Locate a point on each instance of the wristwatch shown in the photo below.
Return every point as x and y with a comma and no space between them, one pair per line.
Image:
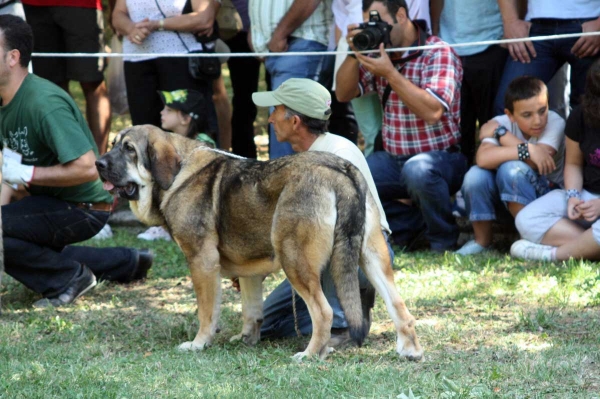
499,132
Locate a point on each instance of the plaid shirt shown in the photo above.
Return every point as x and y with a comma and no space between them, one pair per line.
439,72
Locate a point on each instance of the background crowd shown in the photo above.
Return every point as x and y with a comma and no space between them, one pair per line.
478,130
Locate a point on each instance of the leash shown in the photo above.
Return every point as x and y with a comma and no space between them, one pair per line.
294,311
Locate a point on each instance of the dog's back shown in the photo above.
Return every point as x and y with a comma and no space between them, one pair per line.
310,206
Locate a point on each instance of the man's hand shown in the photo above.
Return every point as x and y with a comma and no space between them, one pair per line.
487,129
380,66
573,211
14,172
519,51
278,43
588,46
590,210
540,157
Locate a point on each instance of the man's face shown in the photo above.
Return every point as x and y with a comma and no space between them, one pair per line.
531,115
4,69
283,127
384,14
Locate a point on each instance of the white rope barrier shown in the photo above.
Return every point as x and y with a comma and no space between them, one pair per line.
320,53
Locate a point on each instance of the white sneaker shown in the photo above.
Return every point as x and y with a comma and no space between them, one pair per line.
529,250
103,234
155,233
471,248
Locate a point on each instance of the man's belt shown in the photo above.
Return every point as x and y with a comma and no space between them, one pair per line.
95,206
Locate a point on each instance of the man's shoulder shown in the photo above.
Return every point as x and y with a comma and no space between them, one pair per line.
443,49
45,93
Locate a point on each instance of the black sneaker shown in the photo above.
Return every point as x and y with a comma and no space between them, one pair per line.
82,283
144,263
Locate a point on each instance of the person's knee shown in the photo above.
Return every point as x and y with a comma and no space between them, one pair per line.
512,174
419,173
477,180
93,88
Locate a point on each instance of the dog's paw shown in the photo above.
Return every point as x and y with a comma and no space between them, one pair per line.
191,346
299,357
410,352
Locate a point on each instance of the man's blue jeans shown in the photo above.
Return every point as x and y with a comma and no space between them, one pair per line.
551,55
283,68
278,320
486,192
37,231
429,180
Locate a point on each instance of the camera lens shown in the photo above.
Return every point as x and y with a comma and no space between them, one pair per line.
368,39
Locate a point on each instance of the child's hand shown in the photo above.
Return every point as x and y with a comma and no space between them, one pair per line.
573,211
590,210
542,159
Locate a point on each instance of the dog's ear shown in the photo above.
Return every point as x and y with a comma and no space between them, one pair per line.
165,163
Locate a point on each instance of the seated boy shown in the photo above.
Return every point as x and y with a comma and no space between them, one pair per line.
520,158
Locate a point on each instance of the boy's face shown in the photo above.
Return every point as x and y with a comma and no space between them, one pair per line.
531,115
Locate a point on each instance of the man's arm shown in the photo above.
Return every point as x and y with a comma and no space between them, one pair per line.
588,46
346,81
78,171
299,12
200,20
515,27
423,104
435,11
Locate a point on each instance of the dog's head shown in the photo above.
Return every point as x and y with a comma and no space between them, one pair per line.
141,157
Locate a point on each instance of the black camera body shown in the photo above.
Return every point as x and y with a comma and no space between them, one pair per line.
373,33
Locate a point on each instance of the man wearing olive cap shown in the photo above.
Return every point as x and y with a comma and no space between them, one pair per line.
302,111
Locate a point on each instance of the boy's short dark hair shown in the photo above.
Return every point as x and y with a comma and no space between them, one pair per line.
522,88
17,35
392,6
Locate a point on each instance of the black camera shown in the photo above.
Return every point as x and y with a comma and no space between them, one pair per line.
373,33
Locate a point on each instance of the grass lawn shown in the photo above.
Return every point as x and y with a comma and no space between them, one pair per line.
491,327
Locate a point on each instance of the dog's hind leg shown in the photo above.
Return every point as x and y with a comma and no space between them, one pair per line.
375,262
302,257
252,309
320,311
206,277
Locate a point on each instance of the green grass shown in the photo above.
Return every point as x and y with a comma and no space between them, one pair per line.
492,327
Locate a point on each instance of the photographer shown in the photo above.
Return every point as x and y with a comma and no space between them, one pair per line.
420,165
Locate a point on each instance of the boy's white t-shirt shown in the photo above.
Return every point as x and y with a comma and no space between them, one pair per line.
344,148
553,135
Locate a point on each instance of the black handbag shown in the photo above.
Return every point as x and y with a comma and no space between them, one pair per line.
201,68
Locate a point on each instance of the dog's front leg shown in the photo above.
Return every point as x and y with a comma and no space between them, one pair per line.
252,309
206,277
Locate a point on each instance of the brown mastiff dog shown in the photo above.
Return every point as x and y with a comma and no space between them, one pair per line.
236,217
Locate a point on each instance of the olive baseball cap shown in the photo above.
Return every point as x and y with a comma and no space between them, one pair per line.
302,95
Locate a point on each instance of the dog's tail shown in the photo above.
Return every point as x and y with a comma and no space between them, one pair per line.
348,240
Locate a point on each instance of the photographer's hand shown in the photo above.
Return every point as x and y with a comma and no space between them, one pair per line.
380,66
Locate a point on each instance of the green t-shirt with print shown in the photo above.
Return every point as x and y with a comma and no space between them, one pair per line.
44,125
